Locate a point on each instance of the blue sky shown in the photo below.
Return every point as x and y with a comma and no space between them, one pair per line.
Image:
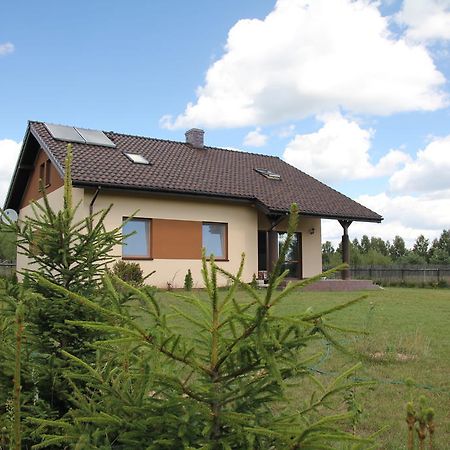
355,93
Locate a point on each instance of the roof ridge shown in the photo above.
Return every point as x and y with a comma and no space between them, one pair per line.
171,141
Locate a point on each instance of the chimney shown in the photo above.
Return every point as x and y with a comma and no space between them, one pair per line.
194,137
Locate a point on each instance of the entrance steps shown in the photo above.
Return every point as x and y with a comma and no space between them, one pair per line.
342,286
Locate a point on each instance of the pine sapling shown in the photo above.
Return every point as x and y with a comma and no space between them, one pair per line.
226,383
17,435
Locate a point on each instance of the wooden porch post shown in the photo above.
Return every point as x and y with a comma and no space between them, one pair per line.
345,248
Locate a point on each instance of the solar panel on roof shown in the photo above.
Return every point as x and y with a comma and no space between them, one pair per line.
64,133
95,137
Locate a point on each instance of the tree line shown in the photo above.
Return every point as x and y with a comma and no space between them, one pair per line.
374,251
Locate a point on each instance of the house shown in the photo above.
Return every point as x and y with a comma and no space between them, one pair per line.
187,196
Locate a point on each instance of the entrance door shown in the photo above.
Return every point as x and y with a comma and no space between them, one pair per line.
293,261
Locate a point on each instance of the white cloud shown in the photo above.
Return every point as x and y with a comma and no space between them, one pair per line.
340,151
255,138
6,48
407,216
286,131
429,172
9,152
425,19
311,56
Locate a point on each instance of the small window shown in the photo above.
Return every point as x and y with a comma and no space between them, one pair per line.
136,158
45,173
48,171
42,175
214,239
269,174
137,244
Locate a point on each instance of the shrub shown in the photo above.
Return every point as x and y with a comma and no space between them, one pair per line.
129,272
188,281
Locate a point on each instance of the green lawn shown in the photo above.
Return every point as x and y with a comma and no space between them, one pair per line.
409,338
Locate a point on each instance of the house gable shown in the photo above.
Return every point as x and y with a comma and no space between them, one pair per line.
44,170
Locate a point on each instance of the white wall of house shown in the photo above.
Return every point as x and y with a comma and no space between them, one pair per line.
243,222
242,235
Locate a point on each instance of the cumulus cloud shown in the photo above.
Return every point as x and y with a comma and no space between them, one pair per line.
404,215
6,48
428,172
311,56
340,151
255,138
286,131
425,19
9,151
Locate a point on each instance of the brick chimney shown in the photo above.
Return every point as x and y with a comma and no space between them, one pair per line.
194,136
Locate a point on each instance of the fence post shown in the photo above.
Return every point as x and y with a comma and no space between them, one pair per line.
438,275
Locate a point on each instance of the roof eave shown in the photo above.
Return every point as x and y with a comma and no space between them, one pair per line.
207,195
374,219
167,192
12,184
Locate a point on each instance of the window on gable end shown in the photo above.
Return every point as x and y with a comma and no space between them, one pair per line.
48,173
45,171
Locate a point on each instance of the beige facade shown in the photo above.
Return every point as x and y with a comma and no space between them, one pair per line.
243,222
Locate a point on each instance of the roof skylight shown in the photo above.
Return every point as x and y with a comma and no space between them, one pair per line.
269,174
136,158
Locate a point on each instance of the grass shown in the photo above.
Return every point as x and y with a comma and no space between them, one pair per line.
408,338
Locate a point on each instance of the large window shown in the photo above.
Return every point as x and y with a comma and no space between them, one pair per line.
137,245
293,255
214,239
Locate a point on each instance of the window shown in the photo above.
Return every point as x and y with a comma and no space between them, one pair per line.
48,173
45,173
136,158
214,239
137,245
269,174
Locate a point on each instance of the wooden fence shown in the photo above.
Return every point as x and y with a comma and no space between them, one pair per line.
419,275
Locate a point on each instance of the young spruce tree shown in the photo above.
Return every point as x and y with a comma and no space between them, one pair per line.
73,252
214,373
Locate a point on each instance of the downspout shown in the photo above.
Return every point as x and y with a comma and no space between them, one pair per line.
91,208
91,205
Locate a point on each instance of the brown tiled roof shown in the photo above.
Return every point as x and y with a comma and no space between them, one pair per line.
179,167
